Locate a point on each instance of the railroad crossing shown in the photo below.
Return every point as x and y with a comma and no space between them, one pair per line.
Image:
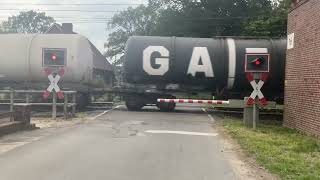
123,145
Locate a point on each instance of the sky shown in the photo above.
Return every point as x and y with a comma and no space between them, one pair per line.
90,24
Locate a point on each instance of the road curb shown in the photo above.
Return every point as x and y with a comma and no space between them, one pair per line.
105,112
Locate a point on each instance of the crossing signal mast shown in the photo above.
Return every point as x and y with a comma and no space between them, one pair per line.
54,61
257,67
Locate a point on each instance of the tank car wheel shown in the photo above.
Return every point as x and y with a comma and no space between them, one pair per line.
134,106
134,103
167,107
82,100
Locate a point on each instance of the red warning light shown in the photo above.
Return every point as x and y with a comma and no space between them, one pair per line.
53,57
257,61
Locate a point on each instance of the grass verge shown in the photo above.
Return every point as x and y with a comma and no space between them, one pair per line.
282,151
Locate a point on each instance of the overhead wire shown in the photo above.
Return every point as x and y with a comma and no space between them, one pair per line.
75,4
60,10
103,18
94,19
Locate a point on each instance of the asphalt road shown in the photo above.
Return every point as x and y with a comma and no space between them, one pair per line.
122,145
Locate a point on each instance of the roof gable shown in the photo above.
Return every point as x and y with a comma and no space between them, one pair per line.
54,29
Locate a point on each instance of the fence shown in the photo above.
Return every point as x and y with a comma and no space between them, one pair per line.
54,103
6,115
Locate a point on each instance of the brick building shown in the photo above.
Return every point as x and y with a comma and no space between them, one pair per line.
302,84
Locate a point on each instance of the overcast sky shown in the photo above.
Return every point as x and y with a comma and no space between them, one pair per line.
89,24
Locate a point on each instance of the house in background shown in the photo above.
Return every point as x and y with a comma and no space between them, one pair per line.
102,70
65,28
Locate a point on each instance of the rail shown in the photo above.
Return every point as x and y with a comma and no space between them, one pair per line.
100,105
5,115
54,103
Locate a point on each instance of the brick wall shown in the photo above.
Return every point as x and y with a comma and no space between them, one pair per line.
302,85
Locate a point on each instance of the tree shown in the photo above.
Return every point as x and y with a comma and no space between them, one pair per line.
133,21
27,22
204,18
272,23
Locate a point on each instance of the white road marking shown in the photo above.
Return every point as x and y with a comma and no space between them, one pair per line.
180,132
211,118
103,113
141,134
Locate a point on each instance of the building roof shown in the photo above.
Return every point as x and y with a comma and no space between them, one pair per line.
65,28
99,61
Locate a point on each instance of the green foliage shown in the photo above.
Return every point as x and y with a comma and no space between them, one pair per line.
27,22
197,18
133,21
283,151
272,23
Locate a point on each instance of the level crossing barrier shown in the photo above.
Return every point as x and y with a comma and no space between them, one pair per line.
194,101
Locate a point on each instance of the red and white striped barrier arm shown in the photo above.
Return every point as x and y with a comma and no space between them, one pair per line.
195,101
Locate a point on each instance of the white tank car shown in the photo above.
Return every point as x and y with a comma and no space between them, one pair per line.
22,61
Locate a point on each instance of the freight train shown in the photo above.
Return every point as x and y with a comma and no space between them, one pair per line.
24,57
154,67
164,67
